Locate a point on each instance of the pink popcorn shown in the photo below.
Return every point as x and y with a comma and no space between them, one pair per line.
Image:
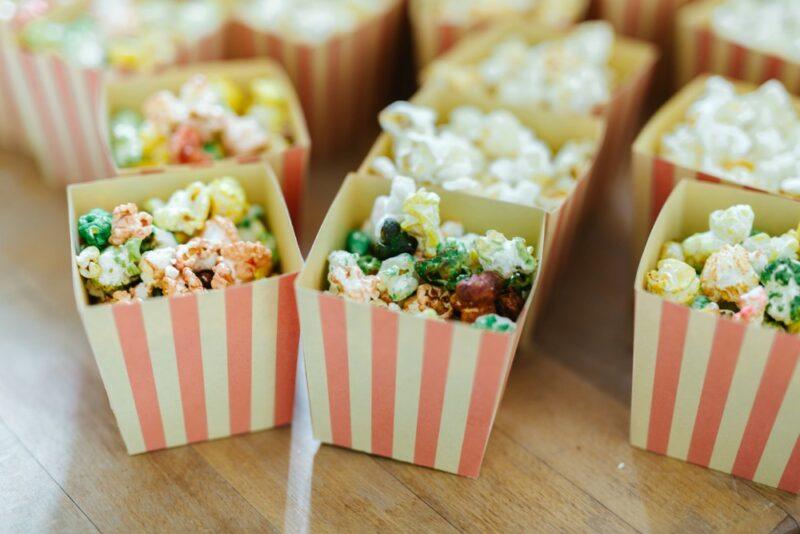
243,136
752,305
198,255
129,223
220,230
164,111
246,260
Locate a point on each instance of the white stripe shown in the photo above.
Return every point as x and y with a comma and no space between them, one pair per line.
457,395
29,111
265,331
213,340
161,345
90,129
410,348
314,359
359,362
68,168
645,351
102,333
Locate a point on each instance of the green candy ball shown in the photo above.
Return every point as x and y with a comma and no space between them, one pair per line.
358,242
94,227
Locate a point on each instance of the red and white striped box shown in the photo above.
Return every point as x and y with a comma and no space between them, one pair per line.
192,368
55,106
653,176
420,390
555,130
701,50
434,36
632,63
708,389
650,20
342,82
290,165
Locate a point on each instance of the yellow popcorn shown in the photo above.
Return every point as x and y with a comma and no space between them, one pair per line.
228,199
698,247
155,148
268,92
186,210
671,250
422,219
728,274
230,93
673,280
133,54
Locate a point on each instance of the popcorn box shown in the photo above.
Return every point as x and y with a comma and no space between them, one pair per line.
708,389
433,35
632,63
290,165
650,20
700,50
653,176
191,368
555,130
56,104
342,82
419,390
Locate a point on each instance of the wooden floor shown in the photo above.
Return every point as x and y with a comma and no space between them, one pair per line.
558,458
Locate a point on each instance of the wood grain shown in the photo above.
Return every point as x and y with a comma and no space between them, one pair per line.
558,458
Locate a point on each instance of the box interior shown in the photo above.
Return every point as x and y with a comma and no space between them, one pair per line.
132,91
257,179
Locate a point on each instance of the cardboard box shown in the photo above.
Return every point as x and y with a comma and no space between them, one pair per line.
290,165
653,176
649,20
58,104
700,50
433,36
191,368
555,130
342,82
708,389
631,63
415,389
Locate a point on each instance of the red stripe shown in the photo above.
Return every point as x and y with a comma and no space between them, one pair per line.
305,86
662,184
672,334
294,178
334,340
703,177
287,345
725,349
738,56
704,40
790,481
275,49
773,66
239,323
774,383
133,340
384,375
632,15
69,109
486,387
435,359
189,355
448,36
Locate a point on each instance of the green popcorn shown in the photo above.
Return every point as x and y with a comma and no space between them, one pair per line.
252,228
127,146
358,242
781,279
119,267
495,323
701,302
521,282
369,264
94,227
504,256
450,266
394,241
398,278
214,149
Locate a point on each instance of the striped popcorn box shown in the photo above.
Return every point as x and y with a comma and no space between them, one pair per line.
555,130
57,105
342,82
420,390
434,35
191,368
632,63
700,50
653,176
290,165
708,389
650,20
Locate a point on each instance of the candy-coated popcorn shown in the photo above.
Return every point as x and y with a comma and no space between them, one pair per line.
230,94
94,227
228,199
674,280
698,247
129,223
752,305
429,298
781,280
118,268
369,264
358,242
422,219
732,225
476,295
448,267
504,256
510,304
247,260
701,302
186,210
394,241
673,250
89,262
347,279
220,230
398,277
728,274
495,323
198,254
764,249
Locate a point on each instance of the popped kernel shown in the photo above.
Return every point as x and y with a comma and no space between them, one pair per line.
504,256
186,210
398,277
347,279
128,222
421,219
674,280
780,280
728,274
732,225
228,199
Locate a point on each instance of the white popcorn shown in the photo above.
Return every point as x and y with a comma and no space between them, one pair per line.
732,225
728,274
777,31
347,279
698,247
752,139
403,117
764,249
391,206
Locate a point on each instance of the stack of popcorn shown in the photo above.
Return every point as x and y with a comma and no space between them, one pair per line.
777,31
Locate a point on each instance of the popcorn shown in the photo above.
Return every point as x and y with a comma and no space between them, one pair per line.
398,277
698,247
703,303
429,298
495,323
94,227
346,278
246,260
129,223
780,280
504,256
752,305
671,250
751,139
732,225
488,154
118,267
728,274
467,12
220,230
186,210
777,29
391,206
674,280
476,296
421,219
228,199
